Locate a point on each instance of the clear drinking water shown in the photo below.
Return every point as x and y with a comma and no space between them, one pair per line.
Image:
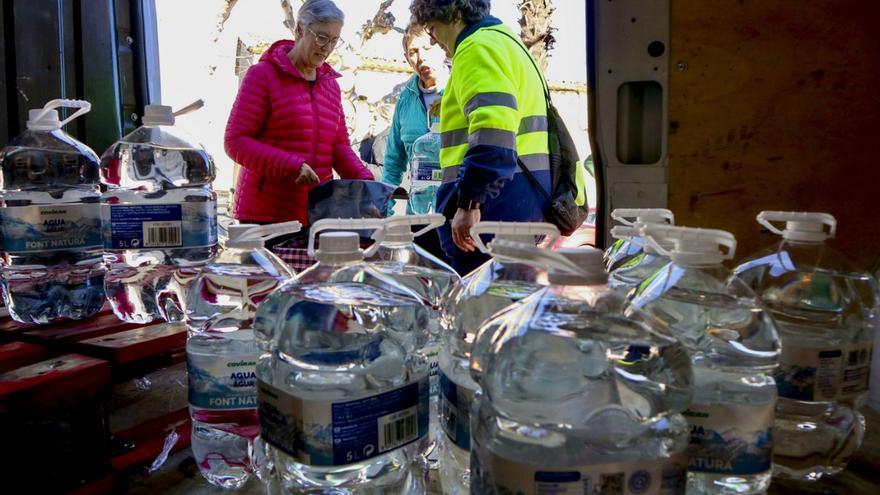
222,353
484,292
734,349
410,266
425,173
160,219
825,311
50,222
635,271
342,379
576,397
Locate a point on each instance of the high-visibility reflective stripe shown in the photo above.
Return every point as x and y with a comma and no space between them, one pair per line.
535,163
493,137
450,174
488,100
457,137
535,123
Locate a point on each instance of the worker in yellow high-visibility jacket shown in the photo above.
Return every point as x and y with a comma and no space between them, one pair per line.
493,113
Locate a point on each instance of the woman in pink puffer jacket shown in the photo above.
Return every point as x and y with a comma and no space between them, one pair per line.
287,127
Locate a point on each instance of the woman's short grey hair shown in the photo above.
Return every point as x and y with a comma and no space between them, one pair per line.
317,11
449,11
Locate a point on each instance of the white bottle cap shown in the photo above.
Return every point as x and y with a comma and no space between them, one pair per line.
339,247
348,225
46,118
590,262
158,115
799,225
691,247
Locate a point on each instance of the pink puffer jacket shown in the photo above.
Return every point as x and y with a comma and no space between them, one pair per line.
278,122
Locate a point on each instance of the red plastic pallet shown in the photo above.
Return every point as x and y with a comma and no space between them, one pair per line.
127,346
17,354
52,383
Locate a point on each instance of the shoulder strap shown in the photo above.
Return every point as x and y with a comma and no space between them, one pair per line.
531,177
520,44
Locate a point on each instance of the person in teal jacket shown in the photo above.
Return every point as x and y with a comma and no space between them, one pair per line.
411,119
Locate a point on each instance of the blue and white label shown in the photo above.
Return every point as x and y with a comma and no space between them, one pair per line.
455,405
331,433
730,439
161,225
427,171
646,477
222,382
812,374
26,229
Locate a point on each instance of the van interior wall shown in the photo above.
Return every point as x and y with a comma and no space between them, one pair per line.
774,105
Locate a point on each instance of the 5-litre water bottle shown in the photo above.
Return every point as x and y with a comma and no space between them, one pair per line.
50,221
425,172
629,243
401,259
575,396
221,351
497,284
825,310
637,269
342,383
160,218
734,349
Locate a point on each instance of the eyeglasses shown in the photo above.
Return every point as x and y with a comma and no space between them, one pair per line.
323,40
430,30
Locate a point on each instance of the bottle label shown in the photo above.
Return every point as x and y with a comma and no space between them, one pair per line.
432,354
186,225
222,382
455,415
730,439
28,229
427,171
812,374
648,477
335,433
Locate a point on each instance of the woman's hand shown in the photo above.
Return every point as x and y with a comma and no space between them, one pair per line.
307,176
461,228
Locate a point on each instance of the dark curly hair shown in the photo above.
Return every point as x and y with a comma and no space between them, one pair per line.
449,11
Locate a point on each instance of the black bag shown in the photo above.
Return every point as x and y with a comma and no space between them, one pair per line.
562,210
349,198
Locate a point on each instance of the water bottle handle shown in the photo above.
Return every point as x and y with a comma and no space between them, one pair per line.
83,106
430,221
629,216
512,228
349,224
532,255
766,218
270,231
721,238
192,107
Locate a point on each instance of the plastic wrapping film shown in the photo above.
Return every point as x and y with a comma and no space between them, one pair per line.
144,408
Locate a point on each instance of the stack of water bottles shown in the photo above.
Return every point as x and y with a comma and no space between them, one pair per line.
648,369
551,381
